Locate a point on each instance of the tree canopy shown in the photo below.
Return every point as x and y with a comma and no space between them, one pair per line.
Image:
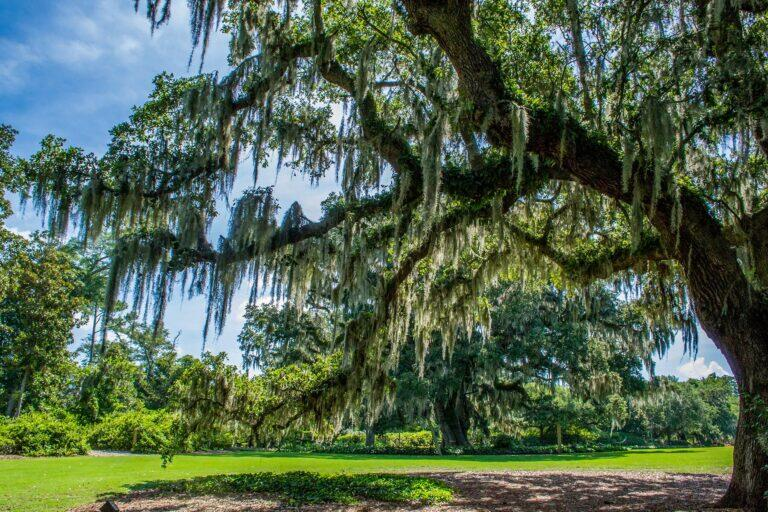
473,140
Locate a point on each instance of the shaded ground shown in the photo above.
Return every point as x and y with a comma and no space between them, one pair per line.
521,491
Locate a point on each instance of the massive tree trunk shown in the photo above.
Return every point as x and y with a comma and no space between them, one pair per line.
451,417
750,479
744,343
733,314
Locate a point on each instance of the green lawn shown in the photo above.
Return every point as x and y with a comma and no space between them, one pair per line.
58,483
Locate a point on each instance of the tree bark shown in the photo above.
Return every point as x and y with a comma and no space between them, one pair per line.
749,480
733,314
92,346
16,404
453,425
370,437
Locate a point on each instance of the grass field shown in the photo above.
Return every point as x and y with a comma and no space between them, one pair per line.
59,483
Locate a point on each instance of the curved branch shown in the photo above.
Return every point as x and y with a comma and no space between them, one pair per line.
596,263
689,231
366,207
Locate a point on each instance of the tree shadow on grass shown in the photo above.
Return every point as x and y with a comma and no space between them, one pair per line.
537,491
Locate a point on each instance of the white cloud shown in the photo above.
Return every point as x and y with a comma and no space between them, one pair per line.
239,313
97,37
20,232
697,369
17,58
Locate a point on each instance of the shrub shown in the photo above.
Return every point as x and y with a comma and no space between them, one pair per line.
407,440
374,450
140,431
212,439
504,441
300,487
351,439
6,443
37,434
580,435
523,449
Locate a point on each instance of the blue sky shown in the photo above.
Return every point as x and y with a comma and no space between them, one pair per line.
75,69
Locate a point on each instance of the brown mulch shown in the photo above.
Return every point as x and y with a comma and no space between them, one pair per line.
519,491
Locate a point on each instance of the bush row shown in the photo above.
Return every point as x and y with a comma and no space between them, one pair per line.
424,443
522,449
45,434
145,431
37,434
395,440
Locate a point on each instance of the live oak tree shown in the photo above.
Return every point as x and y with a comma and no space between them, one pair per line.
617,139
212,394
541,339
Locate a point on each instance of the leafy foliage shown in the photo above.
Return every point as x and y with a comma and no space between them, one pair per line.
38,310
300,487
42,434
139,431
212,394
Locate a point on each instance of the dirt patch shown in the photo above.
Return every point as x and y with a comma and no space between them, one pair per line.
519,491
108,453
583,491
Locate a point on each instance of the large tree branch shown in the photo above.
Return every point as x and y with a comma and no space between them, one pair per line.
756,227
258,87
689,232
388,142
596,262
473,209
205,253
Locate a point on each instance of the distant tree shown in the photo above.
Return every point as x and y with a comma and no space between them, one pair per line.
695,411
617,411
38,309
274,336
556,409
720,394
153,350
110,385
93,268
212,394
538,335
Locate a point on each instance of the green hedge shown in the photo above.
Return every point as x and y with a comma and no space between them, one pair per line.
140,431
350,439
516,449
299,487
407,440
421,441
37,434
371,450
